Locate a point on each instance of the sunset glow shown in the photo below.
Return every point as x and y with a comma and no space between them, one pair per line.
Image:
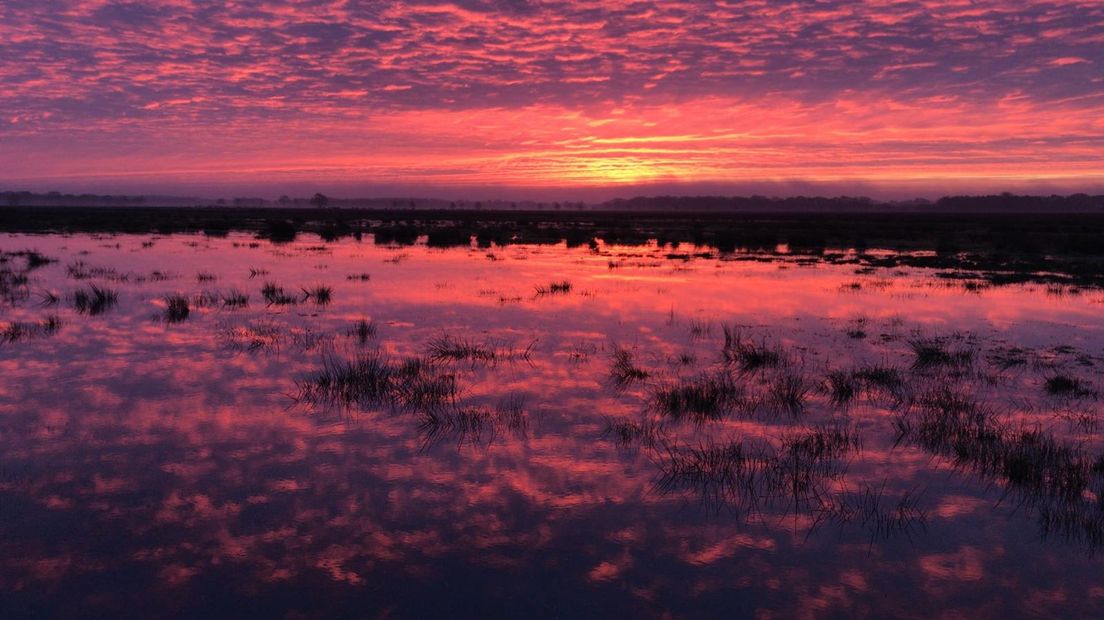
921,95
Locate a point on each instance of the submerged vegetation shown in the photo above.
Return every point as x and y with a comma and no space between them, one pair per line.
274,295
176,308
749,356
745,418
448,348
936,352
706,396
18,331
94,300
320,294
623,372
554,288
363,330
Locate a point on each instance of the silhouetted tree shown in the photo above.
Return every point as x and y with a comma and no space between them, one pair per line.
319,200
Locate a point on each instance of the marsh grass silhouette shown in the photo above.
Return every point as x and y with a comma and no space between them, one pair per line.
234,299
788,392
623,372
749,356
258,337
935,352
646,432
274,295
80,270
472,425
371,380
447,348
842,387
870,508
19,331
561,287
870,380
1032,462
794,475
707,396
366,380
94,300
363,330
177,309
320,294
1067,386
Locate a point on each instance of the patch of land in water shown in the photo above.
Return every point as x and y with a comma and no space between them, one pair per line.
1064,249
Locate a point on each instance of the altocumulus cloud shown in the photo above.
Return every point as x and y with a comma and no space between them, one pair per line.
551,93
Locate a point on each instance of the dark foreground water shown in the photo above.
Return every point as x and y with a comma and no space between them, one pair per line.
538,431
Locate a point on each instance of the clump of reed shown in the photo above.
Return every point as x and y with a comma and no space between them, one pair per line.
80,270
363,330
824,442
799,471
359,277
646,432
177,309
844,386
206,299
320,294
230,300
715,468
510,411
788,391
472,425
18,331
94,300
274,295
365,380
421,385
705,396
1067,386
372,380
935,352
561,287
448,348
623,372
266,337
883,517
700,329
205,276
34,258
1033,463
234,299
306,339
749,356
13,286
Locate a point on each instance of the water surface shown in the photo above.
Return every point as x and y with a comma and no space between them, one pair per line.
165,466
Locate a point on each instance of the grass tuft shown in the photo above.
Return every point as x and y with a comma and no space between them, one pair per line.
176,308
94,300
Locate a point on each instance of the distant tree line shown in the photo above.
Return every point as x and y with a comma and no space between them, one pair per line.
996,203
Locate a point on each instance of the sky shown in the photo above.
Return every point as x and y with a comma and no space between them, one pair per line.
552,98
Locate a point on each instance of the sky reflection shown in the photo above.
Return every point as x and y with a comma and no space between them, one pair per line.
154,468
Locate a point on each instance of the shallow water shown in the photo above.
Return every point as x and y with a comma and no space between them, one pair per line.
151,467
